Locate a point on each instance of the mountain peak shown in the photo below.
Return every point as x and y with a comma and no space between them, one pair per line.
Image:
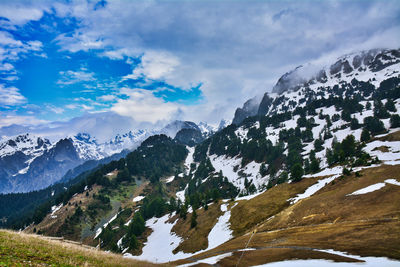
356,65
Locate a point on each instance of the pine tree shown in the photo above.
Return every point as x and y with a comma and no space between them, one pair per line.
306,166
296,172
354,125
389,105
365,136
133,243
314,165
374,125
395,121
137,225
193,221
183,212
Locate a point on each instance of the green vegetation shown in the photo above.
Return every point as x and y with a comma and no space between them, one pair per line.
348,152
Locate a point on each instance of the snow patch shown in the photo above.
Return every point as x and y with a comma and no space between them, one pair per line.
169,179
189,159
221,231
138,198
160,243
392,181
313,189
374,187
368,189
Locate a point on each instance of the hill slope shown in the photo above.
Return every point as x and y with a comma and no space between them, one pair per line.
19,249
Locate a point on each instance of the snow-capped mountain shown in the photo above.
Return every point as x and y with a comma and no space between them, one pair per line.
28,162
223,123
20,156
17,153
363,71
207,129
27,143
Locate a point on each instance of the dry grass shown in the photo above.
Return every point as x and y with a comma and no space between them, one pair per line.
332,203
384,149
366,225
390,137
19,249
196,239
247,214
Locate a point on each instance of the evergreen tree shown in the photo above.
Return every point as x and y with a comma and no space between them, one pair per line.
346,115
263,170
395,121
314,165
306,166
123,175
183,212
374,125
133,243
296,172
389,105
354,125
318,144
365,136
193,221
283,177
380,110
137,225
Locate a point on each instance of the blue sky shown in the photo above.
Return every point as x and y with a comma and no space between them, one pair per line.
154,61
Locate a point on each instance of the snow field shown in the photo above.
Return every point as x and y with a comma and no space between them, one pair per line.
161,242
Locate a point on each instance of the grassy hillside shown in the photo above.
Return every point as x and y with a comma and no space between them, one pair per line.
365,225
19,249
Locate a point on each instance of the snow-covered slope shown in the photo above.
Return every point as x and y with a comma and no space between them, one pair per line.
26,143
362,78
362,72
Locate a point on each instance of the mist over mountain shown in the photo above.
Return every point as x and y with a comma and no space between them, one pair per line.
372,66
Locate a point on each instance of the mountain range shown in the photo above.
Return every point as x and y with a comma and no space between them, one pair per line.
29,162
309,171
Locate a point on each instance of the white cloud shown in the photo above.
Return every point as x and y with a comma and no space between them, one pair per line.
143,106
86,107
18,14
6,67
35,45
10,96
7,120
55,109
7,39
155,66
238,52
71,77
11,50
107,97
71,106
